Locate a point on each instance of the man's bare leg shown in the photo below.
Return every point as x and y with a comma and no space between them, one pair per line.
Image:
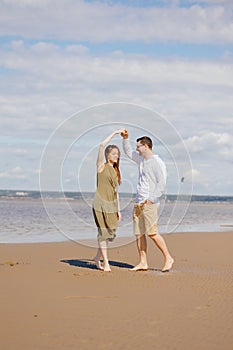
142,247
160,243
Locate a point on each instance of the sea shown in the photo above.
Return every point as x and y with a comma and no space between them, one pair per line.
36,217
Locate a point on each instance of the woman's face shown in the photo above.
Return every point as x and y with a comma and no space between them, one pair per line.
113,155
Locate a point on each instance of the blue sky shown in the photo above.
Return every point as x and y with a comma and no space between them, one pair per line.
171,57
155,49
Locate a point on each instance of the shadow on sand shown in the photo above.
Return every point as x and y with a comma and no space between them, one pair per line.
90,264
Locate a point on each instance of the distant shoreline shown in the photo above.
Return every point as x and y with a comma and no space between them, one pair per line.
24,194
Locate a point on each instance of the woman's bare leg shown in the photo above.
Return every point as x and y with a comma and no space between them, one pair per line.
97,259
103,248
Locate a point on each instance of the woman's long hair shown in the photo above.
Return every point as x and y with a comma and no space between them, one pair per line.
116,165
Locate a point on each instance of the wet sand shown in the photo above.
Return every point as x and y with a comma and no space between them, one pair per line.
53,297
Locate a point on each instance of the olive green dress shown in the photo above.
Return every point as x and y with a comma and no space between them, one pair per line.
105,204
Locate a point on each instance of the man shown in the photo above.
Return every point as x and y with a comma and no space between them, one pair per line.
151,185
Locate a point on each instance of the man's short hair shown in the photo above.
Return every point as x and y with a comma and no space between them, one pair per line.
145,140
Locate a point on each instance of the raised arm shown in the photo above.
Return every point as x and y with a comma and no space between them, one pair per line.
128,149
100,158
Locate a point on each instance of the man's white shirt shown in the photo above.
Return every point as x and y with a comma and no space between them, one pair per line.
152,175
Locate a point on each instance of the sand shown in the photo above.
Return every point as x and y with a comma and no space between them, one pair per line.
52,297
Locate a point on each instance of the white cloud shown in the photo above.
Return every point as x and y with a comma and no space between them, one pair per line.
46,85
17,170
192,175
22,3
212,155
215,144
45,81
15,173
216,2
48,61
48,64
100,22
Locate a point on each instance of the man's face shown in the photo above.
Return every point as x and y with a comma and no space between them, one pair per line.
140,148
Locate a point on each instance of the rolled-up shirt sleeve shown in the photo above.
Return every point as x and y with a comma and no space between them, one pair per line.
129,152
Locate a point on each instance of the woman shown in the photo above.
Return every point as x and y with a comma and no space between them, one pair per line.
106,203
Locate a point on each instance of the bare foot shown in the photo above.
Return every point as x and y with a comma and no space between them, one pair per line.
107,268
168,265
98,264
140,267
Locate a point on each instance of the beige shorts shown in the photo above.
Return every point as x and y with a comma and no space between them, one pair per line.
145,219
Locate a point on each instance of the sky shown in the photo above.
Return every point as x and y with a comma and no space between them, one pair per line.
79,69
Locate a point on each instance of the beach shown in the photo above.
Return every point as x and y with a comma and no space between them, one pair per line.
53,297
